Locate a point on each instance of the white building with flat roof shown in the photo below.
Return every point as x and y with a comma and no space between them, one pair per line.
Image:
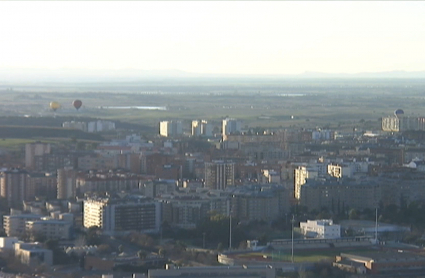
170,128
15,225
8,242
230,126
33,254
324,228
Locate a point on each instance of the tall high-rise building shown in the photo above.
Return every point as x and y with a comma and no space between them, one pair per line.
66,183
13,187
219,174
201,128
301,174
170,128
35,149
230,126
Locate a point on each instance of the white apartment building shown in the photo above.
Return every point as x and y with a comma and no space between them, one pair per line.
300,175
391,124
269,176
99,126
8,242
230,126
201,128
115,216
49,228
170,128
75,125
15,225
324,229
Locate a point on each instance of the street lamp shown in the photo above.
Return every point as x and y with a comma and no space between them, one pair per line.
203,240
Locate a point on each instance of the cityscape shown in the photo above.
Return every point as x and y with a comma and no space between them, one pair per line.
212,139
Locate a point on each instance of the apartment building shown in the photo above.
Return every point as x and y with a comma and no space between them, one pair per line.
49,228
219,174
230,126
42,185
107,181
201,128
301,174
184,211
15,225
170,128
117,215
35,149
100,126
339,195
13,187
252,206
66,183
75,125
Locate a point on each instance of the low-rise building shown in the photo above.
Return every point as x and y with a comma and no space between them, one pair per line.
49,228
15,225
385,262
324,228
8,242
33,254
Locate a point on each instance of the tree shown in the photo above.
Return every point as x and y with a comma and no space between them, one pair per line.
180,245
162,252
51,244
353,215
92,236
103,248
141,254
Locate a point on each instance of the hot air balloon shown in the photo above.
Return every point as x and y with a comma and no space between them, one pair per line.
77,103
54,105
399,113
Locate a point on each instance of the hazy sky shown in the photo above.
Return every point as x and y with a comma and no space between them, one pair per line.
215,37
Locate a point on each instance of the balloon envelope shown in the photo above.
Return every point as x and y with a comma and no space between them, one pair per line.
399,113
77,103
54,105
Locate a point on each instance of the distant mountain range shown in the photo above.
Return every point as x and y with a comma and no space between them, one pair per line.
126,75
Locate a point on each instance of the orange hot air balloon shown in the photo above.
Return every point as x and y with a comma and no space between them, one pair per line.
54,105
77,103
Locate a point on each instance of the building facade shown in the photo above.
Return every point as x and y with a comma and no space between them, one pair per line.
324,229
35,149
219,174
116,216
230,126
170,128
201,128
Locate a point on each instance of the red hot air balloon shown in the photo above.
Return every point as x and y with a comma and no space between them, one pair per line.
77,103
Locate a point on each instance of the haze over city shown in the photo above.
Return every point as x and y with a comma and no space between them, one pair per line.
215,37
212,139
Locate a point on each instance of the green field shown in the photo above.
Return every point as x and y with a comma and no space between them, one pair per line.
15,144
341,104
304,255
